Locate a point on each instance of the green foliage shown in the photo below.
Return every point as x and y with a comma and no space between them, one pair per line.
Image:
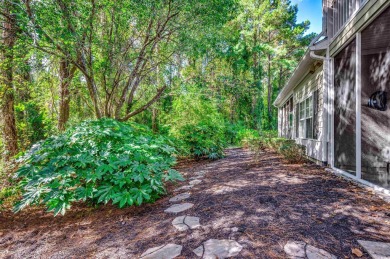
31,124
9,190
102,161
273,142
292,152
203,139
221,66
198,125
246,137
8,196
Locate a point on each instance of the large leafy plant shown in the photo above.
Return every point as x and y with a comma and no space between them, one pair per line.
100,161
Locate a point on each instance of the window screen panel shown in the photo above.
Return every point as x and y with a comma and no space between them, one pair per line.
345,109
315,115
297,120
375,123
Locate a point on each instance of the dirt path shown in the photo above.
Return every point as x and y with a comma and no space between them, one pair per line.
260,204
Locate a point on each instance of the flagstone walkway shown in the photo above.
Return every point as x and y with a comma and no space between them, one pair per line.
225,248
234,207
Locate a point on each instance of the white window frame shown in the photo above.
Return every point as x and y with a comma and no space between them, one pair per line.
287,126
306,114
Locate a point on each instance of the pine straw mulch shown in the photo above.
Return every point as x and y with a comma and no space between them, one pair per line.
261,204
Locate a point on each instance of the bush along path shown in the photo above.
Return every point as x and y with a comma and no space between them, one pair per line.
237,206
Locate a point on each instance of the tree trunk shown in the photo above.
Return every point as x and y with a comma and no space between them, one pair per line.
9,128
93,93
269,94
65,79
6,82
154,119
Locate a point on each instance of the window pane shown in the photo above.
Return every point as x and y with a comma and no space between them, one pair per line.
315,115
345,109
376,123
307,108
310,113
296,120
301,128
309,128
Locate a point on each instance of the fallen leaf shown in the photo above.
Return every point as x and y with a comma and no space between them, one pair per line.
357,252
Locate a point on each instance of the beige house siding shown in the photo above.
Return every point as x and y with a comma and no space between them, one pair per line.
311,83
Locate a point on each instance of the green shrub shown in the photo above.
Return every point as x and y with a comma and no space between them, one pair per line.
100,161
274,143
268,134
198,127
8,196
200,140
292,152
231,130
288,148
9,191
247,137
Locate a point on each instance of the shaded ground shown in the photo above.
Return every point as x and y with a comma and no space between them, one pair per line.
268,201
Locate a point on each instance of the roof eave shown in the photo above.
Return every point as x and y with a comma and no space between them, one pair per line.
300,71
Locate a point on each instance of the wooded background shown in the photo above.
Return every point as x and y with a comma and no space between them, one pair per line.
158,63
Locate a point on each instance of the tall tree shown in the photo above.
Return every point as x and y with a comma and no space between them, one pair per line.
8,39
112,44
66,73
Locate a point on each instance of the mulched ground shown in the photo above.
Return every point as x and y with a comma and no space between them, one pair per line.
261,204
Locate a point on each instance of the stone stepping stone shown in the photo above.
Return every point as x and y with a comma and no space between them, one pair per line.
196,177
185,187
162,252
377,250
176,208
194,182
180,197
218,249
295,249
183,223
316,253
200,173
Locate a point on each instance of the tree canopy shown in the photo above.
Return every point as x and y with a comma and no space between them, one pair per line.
66,61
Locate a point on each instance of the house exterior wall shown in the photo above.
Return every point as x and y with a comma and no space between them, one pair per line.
280,118
322,148
311,82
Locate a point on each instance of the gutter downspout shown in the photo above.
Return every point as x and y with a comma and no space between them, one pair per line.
318,57
325,113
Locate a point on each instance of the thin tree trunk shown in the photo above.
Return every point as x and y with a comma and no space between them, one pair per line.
93,93
66,75
154,119
256,79
154,108
9,128
6,80
280,78
269,94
